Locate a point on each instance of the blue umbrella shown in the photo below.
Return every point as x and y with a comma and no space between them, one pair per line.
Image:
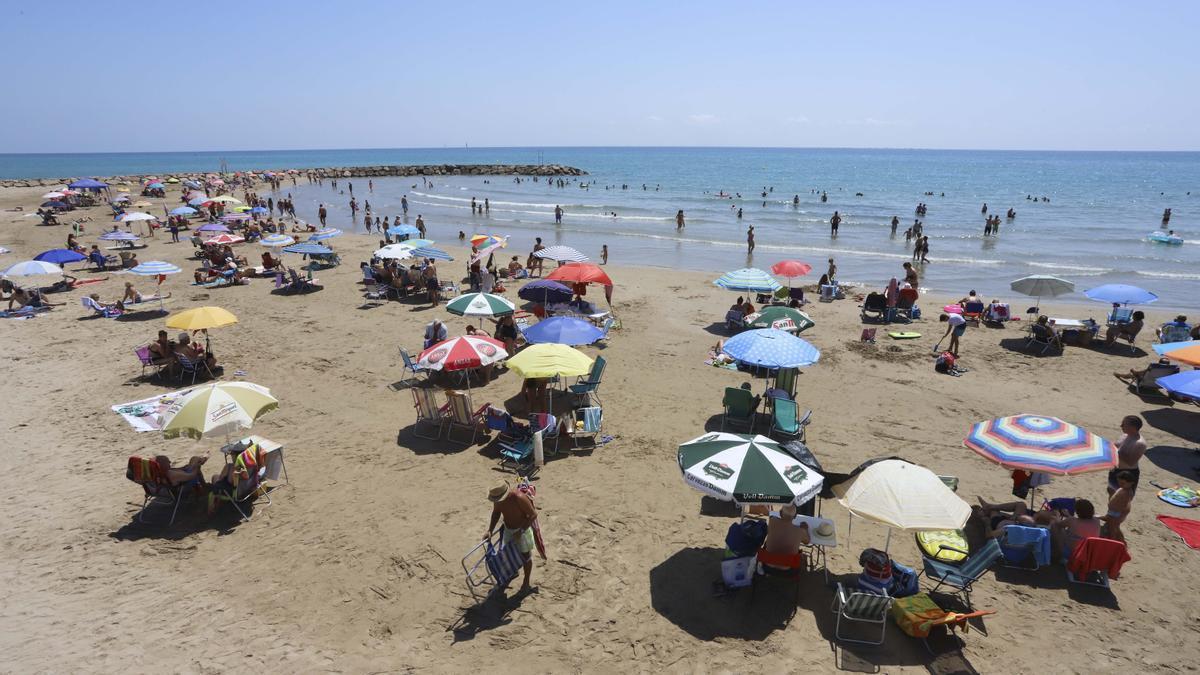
87,184
60,256
748,280
1162,349
1182,384
430,252
259,210
193,184
118,235
564,330
1121,294
308,248
402,229
771,348
212,227
545,291
156,186
326,233
197,201
184,211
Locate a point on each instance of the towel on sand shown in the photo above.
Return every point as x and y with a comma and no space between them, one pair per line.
1187,529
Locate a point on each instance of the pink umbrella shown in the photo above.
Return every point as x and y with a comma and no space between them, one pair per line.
790,268
226,239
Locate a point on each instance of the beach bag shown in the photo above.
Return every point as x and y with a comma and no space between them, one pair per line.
744,539
904,581
945,363
876,576
737,572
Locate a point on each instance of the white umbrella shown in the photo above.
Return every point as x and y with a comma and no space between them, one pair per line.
32,268
904,496
53,195
218,408
397,251
1042,286
560,254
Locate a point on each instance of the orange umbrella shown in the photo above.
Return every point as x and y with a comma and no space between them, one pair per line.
586,273
1188,355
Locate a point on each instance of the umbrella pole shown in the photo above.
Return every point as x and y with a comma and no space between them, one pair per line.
888,545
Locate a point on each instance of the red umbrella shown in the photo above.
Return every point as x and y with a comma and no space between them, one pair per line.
462,353
790,268
586,273
226,239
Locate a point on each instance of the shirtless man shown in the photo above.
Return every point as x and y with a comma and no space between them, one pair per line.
783,535
518,512
1130,449
1119,505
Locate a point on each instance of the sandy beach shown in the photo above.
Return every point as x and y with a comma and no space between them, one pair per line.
355,567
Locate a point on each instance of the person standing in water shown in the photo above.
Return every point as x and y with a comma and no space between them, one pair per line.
679,220
749,237
421,226
558,214
834,222
895,224
404,204
604,254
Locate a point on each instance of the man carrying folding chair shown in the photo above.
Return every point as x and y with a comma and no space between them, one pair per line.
520,516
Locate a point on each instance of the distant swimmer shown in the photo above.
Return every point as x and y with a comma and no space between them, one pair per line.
679,220
824,197
739,214
984,209
1012,213
796,200
834,222
749,239
558,214
1166,216
404,204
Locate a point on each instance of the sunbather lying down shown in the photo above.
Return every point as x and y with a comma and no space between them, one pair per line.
997,516
183,474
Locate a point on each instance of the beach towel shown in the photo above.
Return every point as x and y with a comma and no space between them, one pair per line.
918,614
1181,495
1187,529
1096,554
1022,542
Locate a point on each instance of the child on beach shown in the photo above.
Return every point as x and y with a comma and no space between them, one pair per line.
957,326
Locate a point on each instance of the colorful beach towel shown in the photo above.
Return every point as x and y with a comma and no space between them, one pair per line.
1187,529
146,414
1181,495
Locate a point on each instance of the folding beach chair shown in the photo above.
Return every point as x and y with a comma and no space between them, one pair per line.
1174,333
997,313
98,309
1148,382
589,385
147,359
245,483
740,407
491,565
1025,547
779,565
735,320
158,489
918,615
548,425
1044,336
1120,315
300,284
411,367
973,311
963,576
462,414
785,380
187,365
874,308
903,311
584,423
860,607
428,411
785,418
1096,561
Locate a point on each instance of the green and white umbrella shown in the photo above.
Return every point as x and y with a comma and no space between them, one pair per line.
783,318
480,304
747,470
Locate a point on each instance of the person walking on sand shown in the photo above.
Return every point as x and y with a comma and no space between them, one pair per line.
421,226
750,240
834,222
679,220
1130,449
518,514
322,213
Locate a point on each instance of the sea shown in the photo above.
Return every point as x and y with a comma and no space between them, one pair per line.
1083,216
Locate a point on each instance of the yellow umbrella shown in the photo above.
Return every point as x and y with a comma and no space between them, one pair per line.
548,360
201,318
1188,355
221,407
227,199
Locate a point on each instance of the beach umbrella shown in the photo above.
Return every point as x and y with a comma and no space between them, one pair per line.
198,201
60,256
120,198
771,348
580,273
155,185
416,243
560,254
87,184
326,233
549,360
790,269
308,248
192,184
748,280
396,251
783,318
1189,354
118,235
1163,349
155,268
172,179
259,210
1042,286
1042,444
400,230
462,353
243,208
903,496
484,240
136,216
31,269
563,330
487,250
746,469
201,318
226,199
57,195
213,227
183,211
1186,384
1121,294
226,239
430,252
54,204
217,408
235,217
545,291
480,304
276,240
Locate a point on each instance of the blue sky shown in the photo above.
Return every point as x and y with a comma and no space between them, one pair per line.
125,76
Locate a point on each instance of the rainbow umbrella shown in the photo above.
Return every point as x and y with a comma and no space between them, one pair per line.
1041,444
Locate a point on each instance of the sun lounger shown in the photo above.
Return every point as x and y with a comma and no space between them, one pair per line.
918,615
462,414
157,487
428,412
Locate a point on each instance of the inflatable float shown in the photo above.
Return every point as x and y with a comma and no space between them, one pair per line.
1165,238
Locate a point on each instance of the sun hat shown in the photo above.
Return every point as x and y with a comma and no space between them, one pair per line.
825,529
498,491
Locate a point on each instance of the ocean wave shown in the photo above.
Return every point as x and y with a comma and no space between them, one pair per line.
1084,270
549,214
1188,276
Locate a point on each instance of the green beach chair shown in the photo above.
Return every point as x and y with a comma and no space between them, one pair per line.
785,418
740,407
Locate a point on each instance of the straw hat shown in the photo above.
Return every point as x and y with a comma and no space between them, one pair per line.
498,491
825,529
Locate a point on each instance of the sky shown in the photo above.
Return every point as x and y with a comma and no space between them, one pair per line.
136,76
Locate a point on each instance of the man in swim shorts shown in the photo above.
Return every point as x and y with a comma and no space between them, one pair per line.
1130,449
518,512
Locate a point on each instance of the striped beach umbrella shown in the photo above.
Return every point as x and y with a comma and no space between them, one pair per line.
235,217
153,268
308,248
430,252
462,353
226,239
274,240
198,201
748,280
560,254
746,469
327,233
1041,444
771,348
480,304
118,235
218,408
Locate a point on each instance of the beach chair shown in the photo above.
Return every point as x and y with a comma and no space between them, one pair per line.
412,367
245,482
779,565
735,320
97,309
875,308
854,606
1120,315
588,385
1096,561
1025,547
785,381
147,359
584,423
157,487
428,411
997,314
1148,382
374,291
298,284
973,311
740,407
548,425
785,418
463,415
1044,336
1172,332
918,615
516,447
491,565
963,576
903,311
187,365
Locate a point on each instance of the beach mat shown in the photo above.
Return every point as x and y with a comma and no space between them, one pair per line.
1183,497
1187,529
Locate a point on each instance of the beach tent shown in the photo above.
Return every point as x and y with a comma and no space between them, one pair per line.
87,184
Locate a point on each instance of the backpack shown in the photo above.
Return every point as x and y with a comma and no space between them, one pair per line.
945,363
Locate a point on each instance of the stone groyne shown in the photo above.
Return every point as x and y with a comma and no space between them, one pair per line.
334,172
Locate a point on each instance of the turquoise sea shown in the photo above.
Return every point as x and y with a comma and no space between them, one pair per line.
1093,229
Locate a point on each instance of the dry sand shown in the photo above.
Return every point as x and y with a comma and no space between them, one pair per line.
355,567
